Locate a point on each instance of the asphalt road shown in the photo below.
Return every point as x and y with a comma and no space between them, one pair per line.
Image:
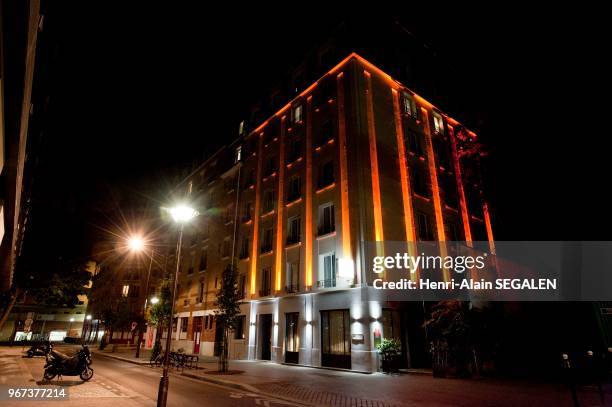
125,384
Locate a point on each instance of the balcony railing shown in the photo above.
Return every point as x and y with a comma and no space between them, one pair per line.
266,248
264,292
292,288
330,283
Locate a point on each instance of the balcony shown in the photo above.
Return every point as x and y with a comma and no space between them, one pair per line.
292,288
264,292
330,283
266,248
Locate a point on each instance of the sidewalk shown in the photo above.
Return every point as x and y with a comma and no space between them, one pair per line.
322,387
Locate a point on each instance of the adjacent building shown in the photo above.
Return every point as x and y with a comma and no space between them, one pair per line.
354,157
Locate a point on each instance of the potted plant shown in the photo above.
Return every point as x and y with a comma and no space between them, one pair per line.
390,350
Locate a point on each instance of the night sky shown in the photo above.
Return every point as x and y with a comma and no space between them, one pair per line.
141,92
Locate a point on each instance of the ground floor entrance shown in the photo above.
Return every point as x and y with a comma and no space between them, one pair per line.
336,339
265,337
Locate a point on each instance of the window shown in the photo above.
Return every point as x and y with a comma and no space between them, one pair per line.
250,179
327,262
226,247
241,129
326,133
246,212
268,203
204,259
244,248
296,150
238,151
438,123
293,277
449,188
266,242
409,105
239,331
184,324
201,290
420,186
134,291
442,154
296,114
270,166
242,286
125,290
191,263
265,282
293,230
424,227
295,188
327,223
229,214
326,174
414,143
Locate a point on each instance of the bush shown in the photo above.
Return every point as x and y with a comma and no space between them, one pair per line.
390,351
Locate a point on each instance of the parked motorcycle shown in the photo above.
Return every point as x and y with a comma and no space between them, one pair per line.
39,349
60,364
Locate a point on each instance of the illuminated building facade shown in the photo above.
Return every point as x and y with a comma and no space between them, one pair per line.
354,157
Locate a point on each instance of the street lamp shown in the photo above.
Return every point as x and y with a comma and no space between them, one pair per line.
137,244
181,215
154,300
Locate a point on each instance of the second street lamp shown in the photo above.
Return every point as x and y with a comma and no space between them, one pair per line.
137,244
181,214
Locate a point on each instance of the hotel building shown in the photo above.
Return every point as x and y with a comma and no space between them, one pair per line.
354,157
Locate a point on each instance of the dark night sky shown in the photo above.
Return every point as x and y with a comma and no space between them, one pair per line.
138,91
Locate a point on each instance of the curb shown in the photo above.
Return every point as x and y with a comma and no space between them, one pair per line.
135,362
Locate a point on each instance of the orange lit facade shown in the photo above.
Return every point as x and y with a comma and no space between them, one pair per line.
355,157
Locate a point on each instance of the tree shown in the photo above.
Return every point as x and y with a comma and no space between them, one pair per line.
59,288
159,314
228,308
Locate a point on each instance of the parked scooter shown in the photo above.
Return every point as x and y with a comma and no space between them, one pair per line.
60,364
39,349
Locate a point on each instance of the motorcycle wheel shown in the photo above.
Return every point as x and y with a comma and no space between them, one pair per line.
86,374
49,375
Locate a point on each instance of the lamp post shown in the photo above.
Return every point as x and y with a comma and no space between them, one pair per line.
180,214
137,244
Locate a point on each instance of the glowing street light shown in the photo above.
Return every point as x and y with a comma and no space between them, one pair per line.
88,317
181,214
154,300
136,244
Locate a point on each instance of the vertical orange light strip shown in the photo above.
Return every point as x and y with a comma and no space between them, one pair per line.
344,193
308,205
256,216
435,189
404,177
378,226
487,219
279,207
462,202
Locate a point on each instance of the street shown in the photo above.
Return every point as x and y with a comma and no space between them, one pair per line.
124,383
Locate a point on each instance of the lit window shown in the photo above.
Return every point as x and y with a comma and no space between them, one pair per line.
328,265
238,155
126,290
438,123
409,105
297,113
241,128
293,232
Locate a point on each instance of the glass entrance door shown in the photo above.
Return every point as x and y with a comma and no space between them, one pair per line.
292,337
336,339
